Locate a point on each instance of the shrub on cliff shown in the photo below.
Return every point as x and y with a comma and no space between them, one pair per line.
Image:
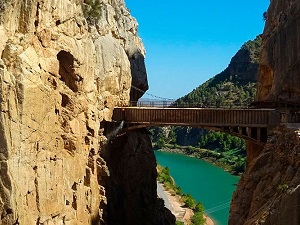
2,5
92,10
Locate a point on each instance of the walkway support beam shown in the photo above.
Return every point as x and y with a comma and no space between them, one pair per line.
254,124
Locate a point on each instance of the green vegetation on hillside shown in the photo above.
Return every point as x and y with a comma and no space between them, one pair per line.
221,142
189,202
225,94
234,87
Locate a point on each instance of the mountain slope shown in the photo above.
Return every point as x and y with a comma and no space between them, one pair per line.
235,86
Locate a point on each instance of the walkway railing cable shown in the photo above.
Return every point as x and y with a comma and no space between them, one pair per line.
163,102
152,95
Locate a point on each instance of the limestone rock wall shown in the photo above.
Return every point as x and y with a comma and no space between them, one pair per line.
279,78
269,191
61,74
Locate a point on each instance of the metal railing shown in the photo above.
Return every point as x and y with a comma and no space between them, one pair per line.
174,104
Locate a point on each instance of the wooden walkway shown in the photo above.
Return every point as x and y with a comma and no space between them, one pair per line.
253,124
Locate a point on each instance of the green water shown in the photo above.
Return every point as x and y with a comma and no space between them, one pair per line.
204,181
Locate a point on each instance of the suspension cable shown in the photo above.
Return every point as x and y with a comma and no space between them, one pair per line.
152,95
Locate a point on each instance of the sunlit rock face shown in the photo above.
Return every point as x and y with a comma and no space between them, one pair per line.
279,78
63,68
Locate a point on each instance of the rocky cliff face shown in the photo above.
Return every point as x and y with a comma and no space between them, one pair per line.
64,65
131,189
279,79
268,192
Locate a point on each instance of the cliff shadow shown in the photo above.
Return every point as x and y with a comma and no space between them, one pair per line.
139,81
131,188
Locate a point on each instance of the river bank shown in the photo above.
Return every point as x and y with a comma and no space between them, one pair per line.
206,183
181,213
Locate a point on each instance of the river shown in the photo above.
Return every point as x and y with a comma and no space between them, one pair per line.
204,181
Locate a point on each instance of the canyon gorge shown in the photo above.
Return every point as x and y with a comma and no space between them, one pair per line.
64,66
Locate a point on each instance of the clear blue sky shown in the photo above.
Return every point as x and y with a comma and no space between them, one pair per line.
188,42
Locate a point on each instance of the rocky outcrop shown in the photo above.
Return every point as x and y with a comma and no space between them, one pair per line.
189,136
269,191
244,64
253,150
64,65
279,79
131,189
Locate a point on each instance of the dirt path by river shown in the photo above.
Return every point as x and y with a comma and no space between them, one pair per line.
181,213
